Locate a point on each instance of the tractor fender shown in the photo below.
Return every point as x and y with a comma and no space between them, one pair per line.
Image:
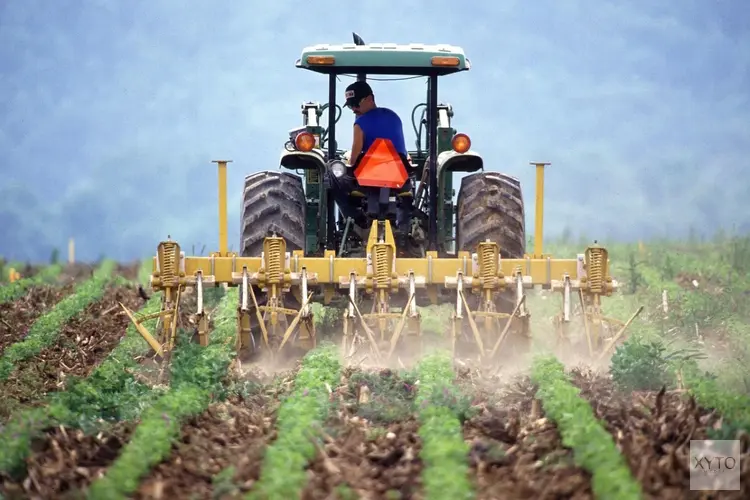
452,161
303,160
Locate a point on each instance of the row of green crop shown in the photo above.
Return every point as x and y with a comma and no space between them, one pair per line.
110,392
196,375
593,447
445,473
283,471
47,327
16,290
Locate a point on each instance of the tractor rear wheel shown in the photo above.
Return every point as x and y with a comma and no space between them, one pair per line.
490,207
272,202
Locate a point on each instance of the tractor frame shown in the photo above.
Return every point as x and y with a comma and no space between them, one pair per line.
434,165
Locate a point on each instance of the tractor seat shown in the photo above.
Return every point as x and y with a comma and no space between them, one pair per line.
357,194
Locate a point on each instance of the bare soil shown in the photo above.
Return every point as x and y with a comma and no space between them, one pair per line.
129,271
517,453
373,462
66,461
369,447
653,431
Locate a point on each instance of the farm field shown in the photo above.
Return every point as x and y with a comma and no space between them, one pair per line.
86,413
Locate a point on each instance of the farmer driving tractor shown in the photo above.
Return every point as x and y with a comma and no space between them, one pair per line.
371,123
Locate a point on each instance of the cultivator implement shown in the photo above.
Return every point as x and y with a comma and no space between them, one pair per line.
386,283
412,245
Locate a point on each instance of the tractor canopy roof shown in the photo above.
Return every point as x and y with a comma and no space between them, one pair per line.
384,59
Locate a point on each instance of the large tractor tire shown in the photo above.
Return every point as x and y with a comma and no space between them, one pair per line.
490,206
272,202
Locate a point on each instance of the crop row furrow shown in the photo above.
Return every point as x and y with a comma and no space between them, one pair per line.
593,447
197,374
283,472
17,289
445,474
45,329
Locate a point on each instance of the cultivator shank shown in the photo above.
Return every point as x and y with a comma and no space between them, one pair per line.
169,277
593,284
274,279
379,282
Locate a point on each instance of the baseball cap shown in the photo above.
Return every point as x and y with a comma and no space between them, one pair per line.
356,92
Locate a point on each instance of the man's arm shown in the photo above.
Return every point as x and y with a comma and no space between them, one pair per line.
358,140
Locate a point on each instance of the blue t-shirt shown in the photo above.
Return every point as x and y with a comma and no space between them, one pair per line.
382,123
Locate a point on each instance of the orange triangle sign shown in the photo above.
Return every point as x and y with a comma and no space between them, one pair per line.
381,166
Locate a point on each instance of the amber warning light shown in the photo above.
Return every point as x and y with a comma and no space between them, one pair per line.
321,60
381,166
305,142
461,143
445,61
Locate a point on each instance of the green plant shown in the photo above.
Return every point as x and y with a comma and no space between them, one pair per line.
739,255
640,365
391,395
328,319
668,269
110,392
223,483
635,278
151,442
734,408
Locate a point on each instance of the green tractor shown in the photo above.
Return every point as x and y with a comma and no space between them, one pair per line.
301,210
